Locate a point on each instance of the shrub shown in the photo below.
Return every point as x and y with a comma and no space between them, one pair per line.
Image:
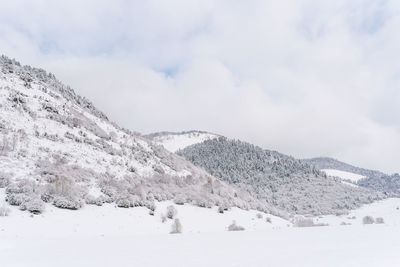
300,221
379,220
4,210
268,220
67,203
345,223
4,179
259,216
176,227
221,209
151,206
171,212
91,200
34,205
22,186
46,197
368,220
16,199
63,192
123,202
235,227
179,200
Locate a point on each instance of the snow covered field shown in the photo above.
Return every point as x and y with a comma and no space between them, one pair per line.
174,142
109,236
343,175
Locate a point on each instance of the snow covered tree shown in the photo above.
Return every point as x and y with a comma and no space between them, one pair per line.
176,227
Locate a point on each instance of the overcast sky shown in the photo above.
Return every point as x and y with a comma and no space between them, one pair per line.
307,77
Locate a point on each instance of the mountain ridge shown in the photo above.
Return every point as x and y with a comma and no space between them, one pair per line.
56,147
389,184
288,183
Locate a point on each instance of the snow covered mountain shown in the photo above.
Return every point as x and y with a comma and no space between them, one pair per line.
56,147
388,184
287,183
176,141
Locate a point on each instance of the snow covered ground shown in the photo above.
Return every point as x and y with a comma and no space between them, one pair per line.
176,141
109,236
343,175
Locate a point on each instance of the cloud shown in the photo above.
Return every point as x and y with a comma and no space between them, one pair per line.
307,78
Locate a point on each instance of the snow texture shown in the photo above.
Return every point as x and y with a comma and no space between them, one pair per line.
108,236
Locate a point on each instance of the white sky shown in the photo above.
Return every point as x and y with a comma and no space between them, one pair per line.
307,77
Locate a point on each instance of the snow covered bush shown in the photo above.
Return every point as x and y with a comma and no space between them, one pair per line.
25,186
379,220
65,202
151,206
300,221
4,179
268,220
235,227
176,227
179,200
91,200
4,210
25,193
163,218
368,220
259,216
64,193
34,205
124,202
221,209
171,212
16,199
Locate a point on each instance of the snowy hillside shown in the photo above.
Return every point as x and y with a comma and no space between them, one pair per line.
56,147
176,141
287,183
376,180
330,163
343,175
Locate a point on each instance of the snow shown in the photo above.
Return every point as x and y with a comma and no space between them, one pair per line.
109,236
295,247
343,175
96,159
108,220
175,141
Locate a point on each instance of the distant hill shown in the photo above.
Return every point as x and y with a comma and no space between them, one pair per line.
388,184
283,181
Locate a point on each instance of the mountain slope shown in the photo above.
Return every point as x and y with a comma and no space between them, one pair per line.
56,147
330,163
176,141
277,179
388,184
